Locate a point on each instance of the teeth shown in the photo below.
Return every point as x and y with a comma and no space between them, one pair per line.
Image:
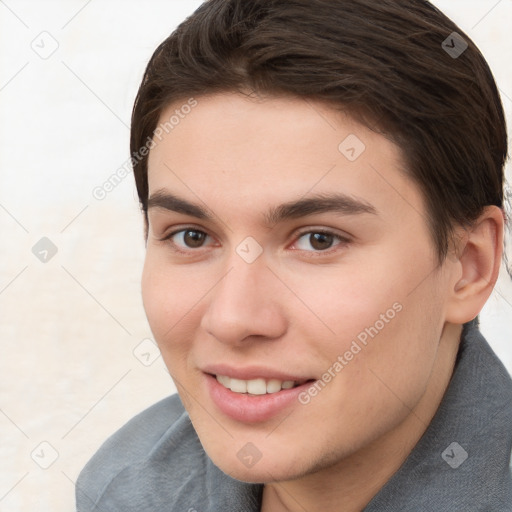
238,386
225,381
273,386
254,386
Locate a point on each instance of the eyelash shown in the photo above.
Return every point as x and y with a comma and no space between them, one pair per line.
342,240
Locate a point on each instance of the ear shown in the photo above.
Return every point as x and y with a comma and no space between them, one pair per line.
477,266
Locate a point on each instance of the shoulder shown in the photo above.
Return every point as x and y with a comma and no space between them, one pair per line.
131,446
462,462
156,462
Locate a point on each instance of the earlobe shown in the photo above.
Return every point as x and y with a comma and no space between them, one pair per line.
478,263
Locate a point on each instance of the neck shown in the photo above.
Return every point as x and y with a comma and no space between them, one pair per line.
351,483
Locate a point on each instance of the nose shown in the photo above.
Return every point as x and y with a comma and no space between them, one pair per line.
245,304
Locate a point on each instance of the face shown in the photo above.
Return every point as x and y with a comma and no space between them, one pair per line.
289,282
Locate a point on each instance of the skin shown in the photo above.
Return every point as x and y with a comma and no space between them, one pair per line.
297,308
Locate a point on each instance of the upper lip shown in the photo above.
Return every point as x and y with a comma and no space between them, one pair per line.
252,372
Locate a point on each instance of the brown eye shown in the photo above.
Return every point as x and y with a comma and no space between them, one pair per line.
188,238
194,238
321,241
316,241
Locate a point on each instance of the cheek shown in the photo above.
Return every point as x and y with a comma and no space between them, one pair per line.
170,296
343,304
377,365
389,351
373,319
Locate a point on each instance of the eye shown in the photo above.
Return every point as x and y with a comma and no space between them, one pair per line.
187,238
318,241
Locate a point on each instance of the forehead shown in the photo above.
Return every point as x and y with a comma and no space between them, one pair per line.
247,153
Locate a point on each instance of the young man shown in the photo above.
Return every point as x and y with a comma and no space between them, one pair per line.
322,187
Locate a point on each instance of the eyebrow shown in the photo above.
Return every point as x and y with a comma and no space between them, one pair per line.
322,203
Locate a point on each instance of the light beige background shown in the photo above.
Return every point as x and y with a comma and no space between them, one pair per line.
72,366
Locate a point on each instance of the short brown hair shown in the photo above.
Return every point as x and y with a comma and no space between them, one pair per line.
383,62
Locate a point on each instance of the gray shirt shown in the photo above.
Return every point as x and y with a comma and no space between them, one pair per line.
462,462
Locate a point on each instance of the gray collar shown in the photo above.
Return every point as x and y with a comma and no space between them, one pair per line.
462,462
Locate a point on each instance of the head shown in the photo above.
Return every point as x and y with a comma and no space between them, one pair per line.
322,187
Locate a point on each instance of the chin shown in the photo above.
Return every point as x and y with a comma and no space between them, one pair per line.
243,461
261,473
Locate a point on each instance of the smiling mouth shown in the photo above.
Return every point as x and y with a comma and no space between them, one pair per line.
258,386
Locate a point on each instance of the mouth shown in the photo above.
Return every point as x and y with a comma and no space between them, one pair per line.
257,399
258,386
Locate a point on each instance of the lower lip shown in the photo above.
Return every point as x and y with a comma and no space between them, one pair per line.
248,408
